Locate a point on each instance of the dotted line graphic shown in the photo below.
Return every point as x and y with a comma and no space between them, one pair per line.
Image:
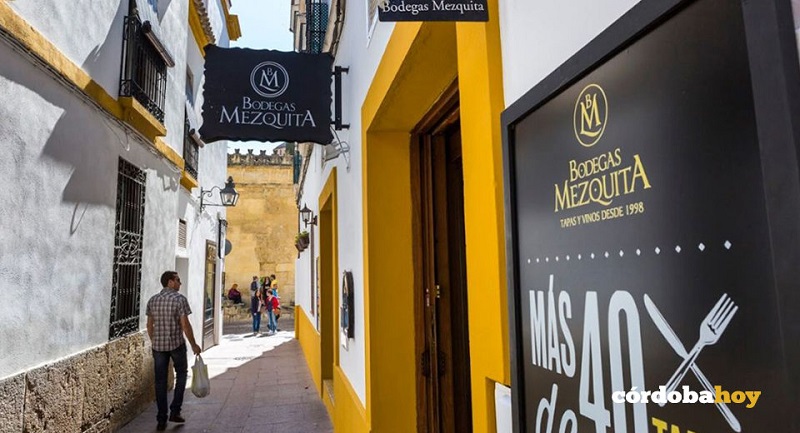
657,250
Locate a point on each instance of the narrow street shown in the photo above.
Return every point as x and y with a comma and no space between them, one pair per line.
258,384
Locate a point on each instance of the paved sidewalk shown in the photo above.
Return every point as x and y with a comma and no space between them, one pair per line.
258,384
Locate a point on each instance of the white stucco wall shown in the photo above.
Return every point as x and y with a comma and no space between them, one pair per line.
212,171
537,37
59,205
362,58
88,33
60,172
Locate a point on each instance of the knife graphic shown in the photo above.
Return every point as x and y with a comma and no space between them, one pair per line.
678,347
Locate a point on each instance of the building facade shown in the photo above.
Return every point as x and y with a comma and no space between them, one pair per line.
99,107
409,218
263,225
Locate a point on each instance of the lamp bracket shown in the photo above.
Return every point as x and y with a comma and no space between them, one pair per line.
336,148
207,193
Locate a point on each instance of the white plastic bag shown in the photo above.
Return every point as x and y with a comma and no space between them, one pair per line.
201,385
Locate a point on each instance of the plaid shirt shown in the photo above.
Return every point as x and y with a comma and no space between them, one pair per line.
166,309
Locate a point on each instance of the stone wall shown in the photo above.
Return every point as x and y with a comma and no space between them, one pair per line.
263,224
98,390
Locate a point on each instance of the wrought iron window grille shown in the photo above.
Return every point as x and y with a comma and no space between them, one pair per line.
144,69
126,285
316,24
191,151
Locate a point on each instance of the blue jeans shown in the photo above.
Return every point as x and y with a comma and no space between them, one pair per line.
272,325
256,321
161,361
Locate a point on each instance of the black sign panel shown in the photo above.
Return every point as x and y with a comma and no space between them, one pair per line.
433,10
642,265
266,95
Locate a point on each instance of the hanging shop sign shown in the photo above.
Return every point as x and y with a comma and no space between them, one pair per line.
266,95
645,288
433,10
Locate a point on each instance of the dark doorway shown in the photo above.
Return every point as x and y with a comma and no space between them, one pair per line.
442,330
209,299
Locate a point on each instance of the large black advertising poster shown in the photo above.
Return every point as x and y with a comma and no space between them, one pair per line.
266,95
643,259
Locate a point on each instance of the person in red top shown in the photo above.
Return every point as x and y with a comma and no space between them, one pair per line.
272,307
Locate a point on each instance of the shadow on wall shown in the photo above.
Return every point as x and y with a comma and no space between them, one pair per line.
163,6
86,141
98,62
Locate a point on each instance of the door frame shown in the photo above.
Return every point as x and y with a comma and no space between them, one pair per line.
442,115
328,273
211,257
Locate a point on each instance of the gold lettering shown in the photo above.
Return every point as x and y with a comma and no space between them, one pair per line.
638,172
562,200
660,425
573,171
590,115
597,180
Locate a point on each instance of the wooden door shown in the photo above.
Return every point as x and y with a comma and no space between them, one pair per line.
443,327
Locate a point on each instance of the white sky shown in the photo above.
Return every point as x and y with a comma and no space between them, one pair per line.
265,25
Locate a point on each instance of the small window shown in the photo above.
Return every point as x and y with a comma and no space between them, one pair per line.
190,87
181,233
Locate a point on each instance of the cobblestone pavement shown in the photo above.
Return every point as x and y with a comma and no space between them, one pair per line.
258,385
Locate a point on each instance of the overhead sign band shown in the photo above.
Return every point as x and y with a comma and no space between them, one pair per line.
433,10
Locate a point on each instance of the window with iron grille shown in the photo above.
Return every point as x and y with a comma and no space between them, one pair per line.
316,24
144,71
191,151
129,229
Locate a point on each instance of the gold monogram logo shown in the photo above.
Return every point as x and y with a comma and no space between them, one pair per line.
591,113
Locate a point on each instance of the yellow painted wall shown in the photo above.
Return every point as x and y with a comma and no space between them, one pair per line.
420,62
481,93
262,227
418,65
391,391
349,414
307,335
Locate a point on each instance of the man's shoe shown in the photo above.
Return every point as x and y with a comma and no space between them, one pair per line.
161,427
176,418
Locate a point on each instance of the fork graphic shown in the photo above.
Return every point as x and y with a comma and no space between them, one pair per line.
710,330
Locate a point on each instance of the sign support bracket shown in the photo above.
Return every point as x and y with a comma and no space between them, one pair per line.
337,98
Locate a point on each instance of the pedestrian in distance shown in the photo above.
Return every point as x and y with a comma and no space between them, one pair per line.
274,285
254,286
255,309
272,307
167,315
234,294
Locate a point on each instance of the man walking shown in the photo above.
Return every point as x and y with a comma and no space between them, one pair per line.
167,315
